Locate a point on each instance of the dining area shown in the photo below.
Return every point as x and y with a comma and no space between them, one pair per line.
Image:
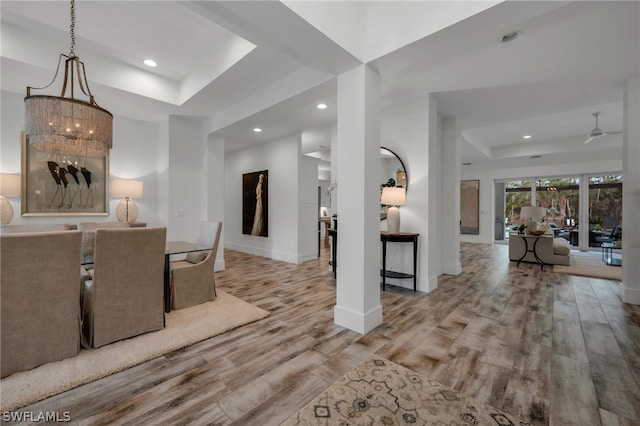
69,287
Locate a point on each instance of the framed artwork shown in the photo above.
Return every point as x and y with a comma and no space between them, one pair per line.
470,207
59,185
255,203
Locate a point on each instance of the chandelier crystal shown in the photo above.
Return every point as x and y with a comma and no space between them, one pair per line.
65,125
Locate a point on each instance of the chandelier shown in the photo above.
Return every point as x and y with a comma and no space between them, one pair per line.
65,125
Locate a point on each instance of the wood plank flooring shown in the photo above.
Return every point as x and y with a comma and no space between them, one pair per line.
550,348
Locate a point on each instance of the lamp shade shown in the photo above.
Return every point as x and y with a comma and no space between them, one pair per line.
9,185
530,212
126,188
393,196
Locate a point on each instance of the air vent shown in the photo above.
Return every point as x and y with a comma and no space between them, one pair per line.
536,156
466,164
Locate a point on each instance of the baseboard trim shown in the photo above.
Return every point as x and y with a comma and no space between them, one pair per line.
452,268
220,265
258,251
359,322
629,295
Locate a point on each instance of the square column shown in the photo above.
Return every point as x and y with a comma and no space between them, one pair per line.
630,291
450,198
358,250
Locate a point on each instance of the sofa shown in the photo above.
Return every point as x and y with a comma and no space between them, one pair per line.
550,250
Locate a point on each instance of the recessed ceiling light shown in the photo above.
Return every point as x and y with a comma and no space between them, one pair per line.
150,63
322,106
510,36
526,137
257,129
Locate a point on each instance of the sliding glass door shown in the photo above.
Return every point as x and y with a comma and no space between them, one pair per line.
584,223
517,195
605,208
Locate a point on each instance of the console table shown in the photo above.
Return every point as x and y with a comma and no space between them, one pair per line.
333,233
532,249
385,237
402,237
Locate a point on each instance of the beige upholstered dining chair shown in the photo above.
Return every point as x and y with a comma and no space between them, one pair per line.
89,232
39,298
36,227
192,279
124,297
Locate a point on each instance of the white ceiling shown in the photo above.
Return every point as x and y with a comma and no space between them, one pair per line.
241,64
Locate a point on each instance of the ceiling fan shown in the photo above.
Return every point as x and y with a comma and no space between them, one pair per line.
597,132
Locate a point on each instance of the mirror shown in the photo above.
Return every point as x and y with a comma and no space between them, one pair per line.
392,173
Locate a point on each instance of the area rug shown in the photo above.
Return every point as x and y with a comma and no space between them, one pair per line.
380,392
590,264
183,328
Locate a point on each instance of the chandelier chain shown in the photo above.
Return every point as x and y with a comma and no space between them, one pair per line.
72,28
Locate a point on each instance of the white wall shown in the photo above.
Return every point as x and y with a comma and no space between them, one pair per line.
215,191
133,156
630,291
187,204
280,157
407,134
308,209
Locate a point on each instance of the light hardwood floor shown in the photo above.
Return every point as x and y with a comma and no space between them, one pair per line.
551,348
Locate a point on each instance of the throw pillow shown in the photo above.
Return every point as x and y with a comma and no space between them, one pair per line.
196,257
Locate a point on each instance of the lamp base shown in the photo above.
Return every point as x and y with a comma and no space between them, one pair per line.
6,211
393,220
127,210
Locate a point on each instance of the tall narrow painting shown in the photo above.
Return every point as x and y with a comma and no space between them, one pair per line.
470,207
255,203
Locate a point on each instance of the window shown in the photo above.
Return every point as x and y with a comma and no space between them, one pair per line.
561,198
518,194
605,206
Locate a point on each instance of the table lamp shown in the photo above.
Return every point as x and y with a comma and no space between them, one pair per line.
127,211
9,187
393,197
531,212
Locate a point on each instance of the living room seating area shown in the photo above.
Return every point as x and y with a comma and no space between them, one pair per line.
544,248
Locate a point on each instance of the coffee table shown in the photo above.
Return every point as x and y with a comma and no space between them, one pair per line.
608,254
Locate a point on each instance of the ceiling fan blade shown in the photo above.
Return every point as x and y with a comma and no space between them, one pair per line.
589,139
618,132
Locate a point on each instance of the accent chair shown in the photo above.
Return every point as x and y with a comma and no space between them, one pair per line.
192,279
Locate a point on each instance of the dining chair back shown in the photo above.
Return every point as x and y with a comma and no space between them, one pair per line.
192,279
39,298
125,296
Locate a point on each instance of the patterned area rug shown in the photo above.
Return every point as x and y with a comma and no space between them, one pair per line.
380,392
